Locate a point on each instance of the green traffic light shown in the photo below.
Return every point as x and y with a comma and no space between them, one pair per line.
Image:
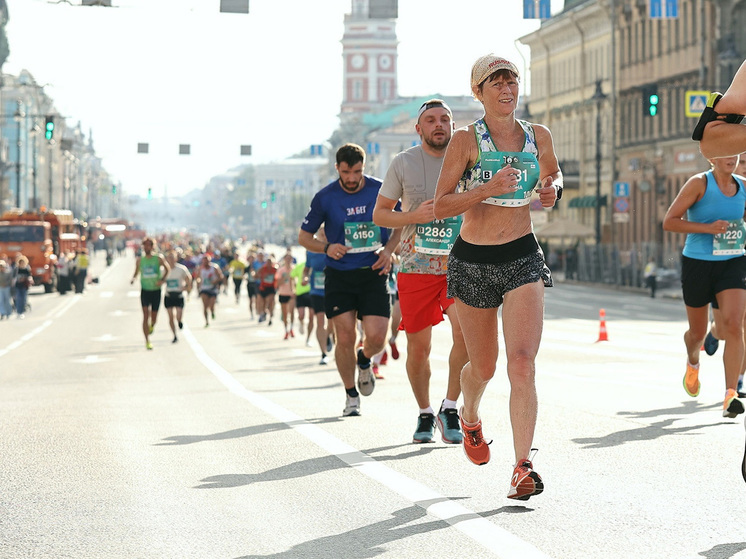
49,131
653,99
264,204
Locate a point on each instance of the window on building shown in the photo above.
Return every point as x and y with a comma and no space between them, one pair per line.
659,37
357,90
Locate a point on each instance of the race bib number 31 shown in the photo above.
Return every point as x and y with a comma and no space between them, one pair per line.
362,236
438,236
526,163
731,241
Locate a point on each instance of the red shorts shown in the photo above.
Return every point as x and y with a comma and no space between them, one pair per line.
422,299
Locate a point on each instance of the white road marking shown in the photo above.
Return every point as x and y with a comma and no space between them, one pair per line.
91,360
498,541
63,308
104,338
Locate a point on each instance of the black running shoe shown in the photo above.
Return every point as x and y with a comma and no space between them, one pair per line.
711,344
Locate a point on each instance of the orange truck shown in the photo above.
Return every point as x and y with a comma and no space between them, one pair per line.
40,237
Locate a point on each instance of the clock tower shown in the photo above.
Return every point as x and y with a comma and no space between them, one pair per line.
369,60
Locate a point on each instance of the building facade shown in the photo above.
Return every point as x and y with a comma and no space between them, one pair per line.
641,161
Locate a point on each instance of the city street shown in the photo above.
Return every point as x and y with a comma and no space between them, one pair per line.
230,443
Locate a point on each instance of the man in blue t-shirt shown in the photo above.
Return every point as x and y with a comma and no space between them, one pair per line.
358,259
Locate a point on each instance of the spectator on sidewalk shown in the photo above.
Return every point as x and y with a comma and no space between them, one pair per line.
649,275
6,277
23,279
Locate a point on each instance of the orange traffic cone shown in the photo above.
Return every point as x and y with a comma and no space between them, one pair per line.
602,334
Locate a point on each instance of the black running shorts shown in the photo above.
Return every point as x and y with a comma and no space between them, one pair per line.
701,280
151,299
363,290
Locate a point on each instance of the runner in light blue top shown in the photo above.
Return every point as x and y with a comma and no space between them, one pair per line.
710,210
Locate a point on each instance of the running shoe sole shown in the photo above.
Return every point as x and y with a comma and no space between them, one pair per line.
366,382
735,407
538,488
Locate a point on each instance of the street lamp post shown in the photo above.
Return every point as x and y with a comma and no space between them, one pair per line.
35,129
18,116
50,145
598,97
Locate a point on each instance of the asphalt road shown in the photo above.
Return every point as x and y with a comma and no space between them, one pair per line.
230,444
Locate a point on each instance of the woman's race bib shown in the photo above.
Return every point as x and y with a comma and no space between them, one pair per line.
438,236
528,166
731,241
362,236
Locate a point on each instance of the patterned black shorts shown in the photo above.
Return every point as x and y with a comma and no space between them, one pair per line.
483,284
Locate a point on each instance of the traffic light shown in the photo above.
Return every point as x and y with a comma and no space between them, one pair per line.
49,128
113,188
264,204
650,100
273,197
150,193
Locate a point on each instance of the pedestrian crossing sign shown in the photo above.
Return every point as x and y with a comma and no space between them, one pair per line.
696,101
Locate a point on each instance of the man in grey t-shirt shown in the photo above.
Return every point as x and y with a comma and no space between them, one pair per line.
421,281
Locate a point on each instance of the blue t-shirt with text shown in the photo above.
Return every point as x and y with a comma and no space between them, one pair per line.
333,207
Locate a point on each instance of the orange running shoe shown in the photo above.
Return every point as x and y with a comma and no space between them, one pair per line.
691,381
475,447
525,482
732,406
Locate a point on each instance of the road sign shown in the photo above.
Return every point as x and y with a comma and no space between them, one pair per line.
536,9
621,189
621,205
619,217
664,8
695,103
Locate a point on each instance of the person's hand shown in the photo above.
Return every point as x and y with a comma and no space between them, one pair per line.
547,193
424,212
383,263
505,181
719,226
336,251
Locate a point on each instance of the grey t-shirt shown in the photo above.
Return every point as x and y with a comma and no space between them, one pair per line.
412,178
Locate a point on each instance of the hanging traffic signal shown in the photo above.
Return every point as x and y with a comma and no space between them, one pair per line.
49,128
650,100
